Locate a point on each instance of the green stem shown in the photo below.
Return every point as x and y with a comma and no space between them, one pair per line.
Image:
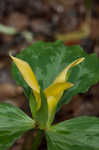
37,140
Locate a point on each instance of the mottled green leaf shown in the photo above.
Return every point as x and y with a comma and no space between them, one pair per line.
76,134
13,122
48,59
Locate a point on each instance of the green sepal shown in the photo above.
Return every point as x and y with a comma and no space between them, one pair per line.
42,113
33,105
13,123
80,133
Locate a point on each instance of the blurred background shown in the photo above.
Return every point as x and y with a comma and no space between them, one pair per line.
23,22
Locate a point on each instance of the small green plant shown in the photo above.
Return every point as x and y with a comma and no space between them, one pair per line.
51,74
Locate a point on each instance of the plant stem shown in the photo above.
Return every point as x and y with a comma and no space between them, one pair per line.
37,140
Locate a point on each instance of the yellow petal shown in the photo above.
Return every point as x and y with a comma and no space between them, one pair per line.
54,94
51,108
27,73
57,88
51,103
62,76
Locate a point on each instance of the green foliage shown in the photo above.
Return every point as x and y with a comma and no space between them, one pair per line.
13,123
48,59
76,134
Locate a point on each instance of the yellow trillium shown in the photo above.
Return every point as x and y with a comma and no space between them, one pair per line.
54,92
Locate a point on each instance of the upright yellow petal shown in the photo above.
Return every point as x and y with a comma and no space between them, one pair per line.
55,91
54,94
62,76
27,73
51,108
57,88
